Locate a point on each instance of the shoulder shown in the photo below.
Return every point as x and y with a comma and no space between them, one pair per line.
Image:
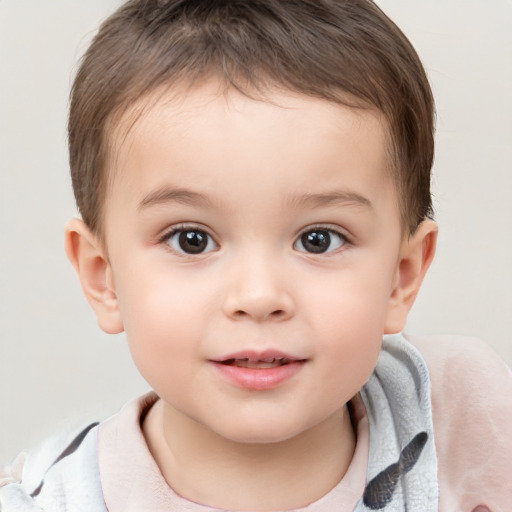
441,349
471,389
466,371
60,475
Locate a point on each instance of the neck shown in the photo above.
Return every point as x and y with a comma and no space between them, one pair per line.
209,469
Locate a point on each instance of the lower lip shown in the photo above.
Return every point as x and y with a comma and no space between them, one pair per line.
258,379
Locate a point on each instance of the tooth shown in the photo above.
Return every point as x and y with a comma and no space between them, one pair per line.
263,364
269,360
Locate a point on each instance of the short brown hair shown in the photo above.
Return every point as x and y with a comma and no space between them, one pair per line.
330,49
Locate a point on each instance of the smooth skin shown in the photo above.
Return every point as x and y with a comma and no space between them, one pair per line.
236,224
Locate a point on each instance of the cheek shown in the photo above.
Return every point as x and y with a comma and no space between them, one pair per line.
155,297
352,302
164,318
352,348
349,322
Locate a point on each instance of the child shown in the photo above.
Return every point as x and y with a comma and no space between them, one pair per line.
253,179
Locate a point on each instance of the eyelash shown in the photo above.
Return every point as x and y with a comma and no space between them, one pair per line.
187,228
344,240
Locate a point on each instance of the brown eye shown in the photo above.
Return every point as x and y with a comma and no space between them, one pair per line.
318,241
191,241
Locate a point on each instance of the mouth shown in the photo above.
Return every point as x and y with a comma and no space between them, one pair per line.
268,362
258,371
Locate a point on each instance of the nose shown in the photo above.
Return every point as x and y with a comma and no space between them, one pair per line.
258,290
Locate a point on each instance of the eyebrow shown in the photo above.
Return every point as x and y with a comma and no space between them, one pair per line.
331,198
166,195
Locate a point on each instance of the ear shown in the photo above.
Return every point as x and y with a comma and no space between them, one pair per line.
88,256
416,255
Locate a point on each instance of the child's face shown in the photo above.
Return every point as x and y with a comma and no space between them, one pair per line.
238,229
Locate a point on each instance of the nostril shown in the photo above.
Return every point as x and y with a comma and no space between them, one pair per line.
276,314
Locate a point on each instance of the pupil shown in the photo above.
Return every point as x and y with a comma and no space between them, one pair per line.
193,242
316,241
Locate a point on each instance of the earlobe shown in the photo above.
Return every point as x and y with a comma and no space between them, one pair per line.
416,256
88,257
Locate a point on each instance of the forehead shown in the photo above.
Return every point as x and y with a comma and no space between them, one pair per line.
182,102
203,134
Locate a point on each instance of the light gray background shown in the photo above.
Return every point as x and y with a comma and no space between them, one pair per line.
55,363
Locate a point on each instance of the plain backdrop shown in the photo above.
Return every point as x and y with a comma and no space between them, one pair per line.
56,365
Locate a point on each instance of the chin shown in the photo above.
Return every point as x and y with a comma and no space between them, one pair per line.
260,433
259,438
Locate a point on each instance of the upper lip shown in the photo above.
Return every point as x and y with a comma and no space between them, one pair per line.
254,355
